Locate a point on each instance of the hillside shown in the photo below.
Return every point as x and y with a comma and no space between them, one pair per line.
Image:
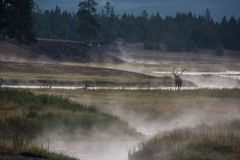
136,53
48,50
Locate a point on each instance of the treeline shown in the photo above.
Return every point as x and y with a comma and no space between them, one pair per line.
85,25
182,32
16,20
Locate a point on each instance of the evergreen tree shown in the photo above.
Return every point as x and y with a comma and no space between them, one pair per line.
20,22
182,32
2,19
107,21
2,9
88,25
208,15
144,25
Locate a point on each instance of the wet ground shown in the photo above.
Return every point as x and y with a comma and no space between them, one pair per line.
202,80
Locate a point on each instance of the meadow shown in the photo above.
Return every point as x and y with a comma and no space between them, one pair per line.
37,122
25,117
154,104
100,97
192,124
75,75
221,141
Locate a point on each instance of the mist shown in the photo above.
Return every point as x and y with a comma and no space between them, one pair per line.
97,85
108,143
89,145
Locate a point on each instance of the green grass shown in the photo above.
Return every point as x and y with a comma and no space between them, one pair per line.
16,78
19,150
25,116
200,143
156,104
60,74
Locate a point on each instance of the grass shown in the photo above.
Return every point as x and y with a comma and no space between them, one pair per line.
155,104
13,78
23,109
80,74
18,150
25,116
14,73
65,77
200,143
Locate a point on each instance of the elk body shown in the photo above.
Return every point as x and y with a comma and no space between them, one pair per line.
178,79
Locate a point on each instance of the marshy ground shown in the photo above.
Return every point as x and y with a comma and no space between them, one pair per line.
109,123
153,113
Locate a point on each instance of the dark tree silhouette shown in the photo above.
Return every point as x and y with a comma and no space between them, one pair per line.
107,21
3,24
88,25
20,22
182,32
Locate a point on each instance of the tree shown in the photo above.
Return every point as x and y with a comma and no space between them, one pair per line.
144,24
108,10
107,21
208,15
182,32
20,22
2,19
87,22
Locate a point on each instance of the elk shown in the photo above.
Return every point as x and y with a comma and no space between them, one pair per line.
178,79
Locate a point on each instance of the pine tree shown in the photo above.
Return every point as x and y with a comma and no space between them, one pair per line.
108,10
88,25
20,22
208,15
182,32
107,19
2,19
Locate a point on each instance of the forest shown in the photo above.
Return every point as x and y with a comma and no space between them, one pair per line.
16,20
182,32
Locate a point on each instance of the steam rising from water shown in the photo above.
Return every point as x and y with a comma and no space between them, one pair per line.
121,88
185,115
102,145
227,79
95,144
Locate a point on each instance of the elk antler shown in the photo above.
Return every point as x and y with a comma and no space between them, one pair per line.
183,69
173,70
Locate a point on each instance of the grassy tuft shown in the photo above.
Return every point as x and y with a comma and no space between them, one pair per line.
201,143
25,116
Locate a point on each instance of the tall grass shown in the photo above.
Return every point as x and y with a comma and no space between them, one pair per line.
174,93
221,142
24,116
19,150
28,99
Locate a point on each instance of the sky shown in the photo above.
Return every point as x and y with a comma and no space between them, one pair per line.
218,8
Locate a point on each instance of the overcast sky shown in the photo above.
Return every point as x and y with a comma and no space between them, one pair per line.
218,8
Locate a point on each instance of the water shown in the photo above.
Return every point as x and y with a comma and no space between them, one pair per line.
108,149
217,80
118,88
211,80
227,73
